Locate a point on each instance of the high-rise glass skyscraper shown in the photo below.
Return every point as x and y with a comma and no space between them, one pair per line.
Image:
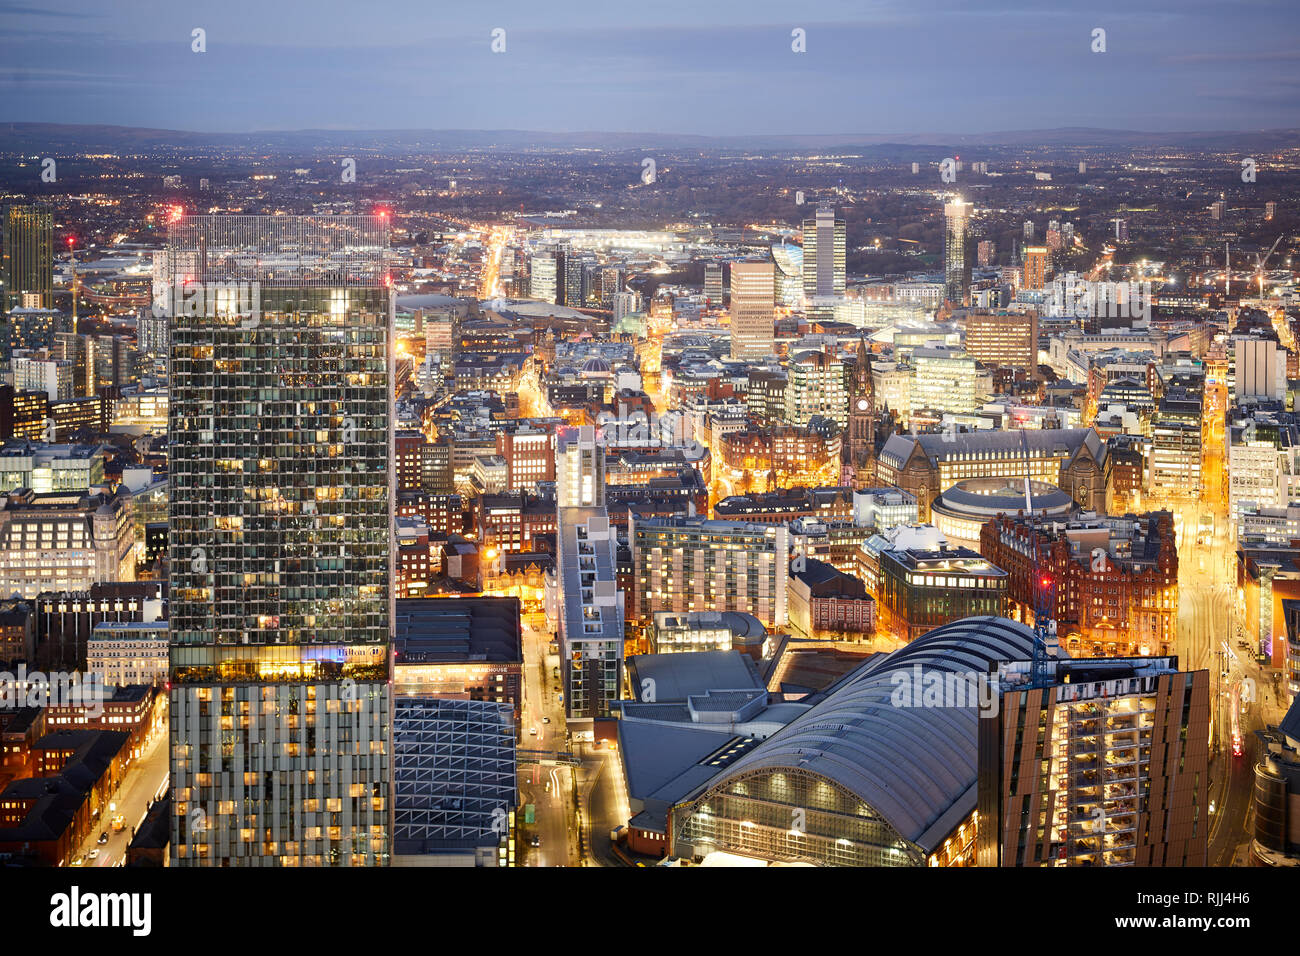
956,263
27,260
824,250
280,563
542,282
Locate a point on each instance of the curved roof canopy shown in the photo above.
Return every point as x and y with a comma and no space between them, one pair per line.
914,765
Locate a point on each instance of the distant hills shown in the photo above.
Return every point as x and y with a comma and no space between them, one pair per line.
58,137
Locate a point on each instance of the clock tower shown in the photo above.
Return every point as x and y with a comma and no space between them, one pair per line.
860,444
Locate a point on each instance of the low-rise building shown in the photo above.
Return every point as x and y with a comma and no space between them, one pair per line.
128,652
463,647
674,633
921,589
825,602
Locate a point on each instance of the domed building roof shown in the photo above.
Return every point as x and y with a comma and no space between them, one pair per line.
595,366
963,510
990,497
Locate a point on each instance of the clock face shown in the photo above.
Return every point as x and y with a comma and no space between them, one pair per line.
862,404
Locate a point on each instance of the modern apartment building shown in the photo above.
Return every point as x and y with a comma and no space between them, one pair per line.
713,284
54,377
587,605
696,564
1176,439
27,258
1038,262
543,280
956,258
1098,763
279,547
816,386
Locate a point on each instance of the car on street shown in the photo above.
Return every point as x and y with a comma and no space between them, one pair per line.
103,838
534,840
93,854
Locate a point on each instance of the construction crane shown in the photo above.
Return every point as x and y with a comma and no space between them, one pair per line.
1261,263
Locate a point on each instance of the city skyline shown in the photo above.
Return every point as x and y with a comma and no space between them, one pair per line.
739,435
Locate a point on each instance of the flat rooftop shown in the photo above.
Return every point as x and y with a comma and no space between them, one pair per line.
451,630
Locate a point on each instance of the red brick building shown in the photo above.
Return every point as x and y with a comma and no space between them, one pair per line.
823,601
1115,579
511,522
529,452
444,514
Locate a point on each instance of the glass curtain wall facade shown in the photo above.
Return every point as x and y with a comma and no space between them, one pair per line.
280,564
956,262
27,260
791,816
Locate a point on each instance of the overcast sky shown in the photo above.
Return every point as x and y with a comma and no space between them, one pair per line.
691,66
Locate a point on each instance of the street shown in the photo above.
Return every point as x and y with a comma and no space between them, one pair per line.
142,781
548,787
